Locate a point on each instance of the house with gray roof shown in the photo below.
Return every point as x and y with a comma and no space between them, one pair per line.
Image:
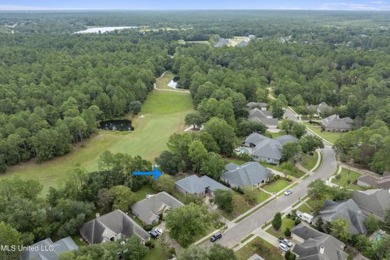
198,186
111,227
150,209
376,201
380,182
46,249
250,174
263,116
315,245
261,105
347,210
319,110
334,123
266,149
284,139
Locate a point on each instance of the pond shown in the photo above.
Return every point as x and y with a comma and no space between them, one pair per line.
116,125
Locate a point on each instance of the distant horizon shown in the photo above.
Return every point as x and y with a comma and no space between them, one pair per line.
200,5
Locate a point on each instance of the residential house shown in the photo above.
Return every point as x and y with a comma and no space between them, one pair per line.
336,124
150,209
347,210
111,227
263,106
250,174
263,116
199,186
313,244
382,182
46,249
221,43
262,148
319,110
376,201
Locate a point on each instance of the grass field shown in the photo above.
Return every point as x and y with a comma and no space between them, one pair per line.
262,248
309,161
346,176
329,136
305,208
286,223
276,186
162,115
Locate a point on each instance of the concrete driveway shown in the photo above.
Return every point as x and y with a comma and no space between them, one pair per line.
242,229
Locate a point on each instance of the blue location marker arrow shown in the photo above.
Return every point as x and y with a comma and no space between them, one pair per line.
156,173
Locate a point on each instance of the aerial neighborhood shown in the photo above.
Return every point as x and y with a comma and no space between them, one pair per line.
194,134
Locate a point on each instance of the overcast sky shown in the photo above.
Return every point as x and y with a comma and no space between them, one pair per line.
193,4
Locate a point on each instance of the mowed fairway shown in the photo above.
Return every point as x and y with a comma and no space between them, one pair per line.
162,115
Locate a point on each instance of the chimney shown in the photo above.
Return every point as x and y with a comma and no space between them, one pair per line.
322,250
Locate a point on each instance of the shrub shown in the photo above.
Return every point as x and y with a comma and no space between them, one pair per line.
297,221
287,232
277,221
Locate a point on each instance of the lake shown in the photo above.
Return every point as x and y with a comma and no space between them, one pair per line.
116,125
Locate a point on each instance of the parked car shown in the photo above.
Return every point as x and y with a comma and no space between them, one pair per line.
288,192
287,242
159,231
284,247
153,234
281,239
215,237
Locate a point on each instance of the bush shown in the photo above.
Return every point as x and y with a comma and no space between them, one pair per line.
289,255
149,244
147,227
287,232
171,251
277,221
297,221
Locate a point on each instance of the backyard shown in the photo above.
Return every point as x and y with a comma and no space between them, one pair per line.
262,248
162,115
347,178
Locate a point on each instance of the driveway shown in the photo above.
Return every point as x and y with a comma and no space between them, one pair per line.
242,229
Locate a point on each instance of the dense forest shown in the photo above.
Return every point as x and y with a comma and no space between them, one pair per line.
55,86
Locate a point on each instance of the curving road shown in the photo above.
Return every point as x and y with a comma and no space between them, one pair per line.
235,234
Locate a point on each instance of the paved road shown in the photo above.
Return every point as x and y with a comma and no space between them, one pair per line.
258,218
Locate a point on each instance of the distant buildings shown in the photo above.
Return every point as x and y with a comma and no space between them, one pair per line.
373,181
319,110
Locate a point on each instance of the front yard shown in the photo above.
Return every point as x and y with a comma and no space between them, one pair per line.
286,223
347,179
262,248
309,161
276,186
329,136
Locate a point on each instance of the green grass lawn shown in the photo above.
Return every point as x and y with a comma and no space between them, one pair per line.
309,161
274,135
305,208
156,253
239,206
262,196
329,136
141,193
162,83
262,248
162,115
348,175
276,186
286,168
286,223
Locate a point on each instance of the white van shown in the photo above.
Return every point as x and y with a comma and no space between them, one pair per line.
283,247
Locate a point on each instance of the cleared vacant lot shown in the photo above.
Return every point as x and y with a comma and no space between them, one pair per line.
162,115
